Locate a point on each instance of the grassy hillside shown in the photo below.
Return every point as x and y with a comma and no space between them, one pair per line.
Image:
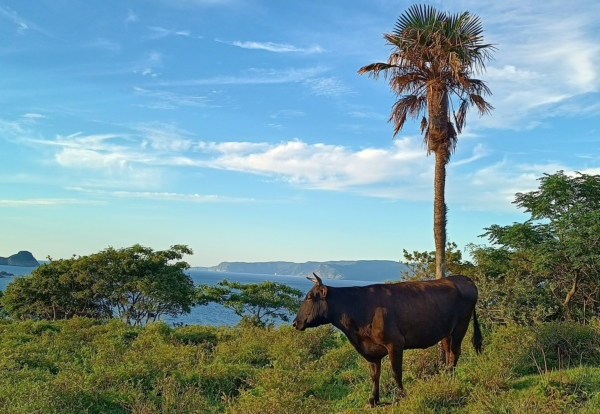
82,366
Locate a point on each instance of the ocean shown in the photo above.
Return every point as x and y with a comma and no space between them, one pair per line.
213,314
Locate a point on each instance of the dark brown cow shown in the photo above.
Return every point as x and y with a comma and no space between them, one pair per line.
386,319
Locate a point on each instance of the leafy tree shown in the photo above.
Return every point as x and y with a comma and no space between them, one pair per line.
421,265
142,285
510,291
560,241
257,303
57,290
431,66
135,284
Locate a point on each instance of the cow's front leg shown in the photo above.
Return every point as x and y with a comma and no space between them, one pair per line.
395,351
375,371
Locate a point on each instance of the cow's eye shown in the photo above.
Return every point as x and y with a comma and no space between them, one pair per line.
309,297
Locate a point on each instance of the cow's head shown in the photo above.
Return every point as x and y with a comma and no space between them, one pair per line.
313,311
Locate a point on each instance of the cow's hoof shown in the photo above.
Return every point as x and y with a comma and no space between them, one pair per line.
373,402
399,396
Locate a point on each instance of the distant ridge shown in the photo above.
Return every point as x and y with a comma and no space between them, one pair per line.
23,258
369,270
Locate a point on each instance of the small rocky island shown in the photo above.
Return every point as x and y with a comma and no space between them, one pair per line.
23,258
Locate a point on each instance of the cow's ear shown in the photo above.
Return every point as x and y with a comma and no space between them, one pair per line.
323,290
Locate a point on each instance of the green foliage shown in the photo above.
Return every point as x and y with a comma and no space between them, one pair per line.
559,245
60,289
509,290
421,265
82,365
135,284
259,304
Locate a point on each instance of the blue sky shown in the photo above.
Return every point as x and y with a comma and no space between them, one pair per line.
241,128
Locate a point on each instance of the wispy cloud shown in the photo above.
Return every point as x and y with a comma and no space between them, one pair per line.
106,44
171,100
255,76
478,152
167,196
558,61
158,32
148,65
131,17
164,137
287,113
31,115
273,47
366,114
42,202
333,87
22,24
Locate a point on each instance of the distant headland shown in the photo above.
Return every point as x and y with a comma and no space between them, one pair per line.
369,270
23,258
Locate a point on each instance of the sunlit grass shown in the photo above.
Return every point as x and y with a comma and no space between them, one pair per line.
82,366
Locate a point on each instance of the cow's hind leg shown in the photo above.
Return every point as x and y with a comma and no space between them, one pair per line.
445,356
375,371
455,342
395,352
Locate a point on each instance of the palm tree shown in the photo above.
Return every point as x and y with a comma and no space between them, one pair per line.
429,69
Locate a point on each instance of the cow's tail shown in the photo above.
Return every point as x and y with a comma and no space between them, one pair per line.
477,339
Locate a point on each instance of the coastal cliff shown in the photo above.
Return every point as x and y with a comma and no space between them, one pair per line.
23,258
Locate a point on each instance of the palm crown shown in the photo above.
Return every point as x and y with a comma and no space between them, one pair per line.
433,58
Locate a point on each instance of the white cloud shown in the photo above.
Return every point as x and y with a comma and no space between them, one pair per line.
272,47
318,166
493,187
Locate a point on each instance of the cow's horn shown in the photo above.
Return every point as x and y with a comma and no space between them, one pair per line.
315,279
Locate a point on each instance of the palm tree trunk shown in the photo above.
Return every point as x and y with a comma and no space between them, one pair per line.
437,106
439,212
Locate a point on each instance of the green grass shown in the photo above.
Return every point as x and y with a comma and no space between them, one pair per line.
82,366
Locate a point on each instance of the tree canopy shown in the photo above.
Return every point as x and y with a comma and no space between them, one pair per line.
561,239
259,304
135,284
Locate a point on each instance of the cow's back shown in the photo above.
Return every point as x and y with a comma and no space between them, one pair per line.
424,312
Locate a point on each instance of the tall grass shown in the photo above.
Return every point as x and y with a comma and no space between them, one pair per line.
82,366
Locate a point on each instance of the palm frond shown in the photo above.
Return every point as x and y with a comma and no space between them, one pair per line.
418,16
375,68
407,106
478,87
452,139
460,117
482,105
413,83
423,124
